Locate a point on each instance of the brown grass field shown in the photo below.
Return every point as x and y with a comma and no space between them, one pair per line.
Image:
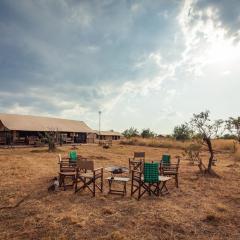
201,208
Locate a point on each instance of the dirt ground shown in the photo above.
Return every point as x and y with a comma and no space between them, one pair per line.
201,208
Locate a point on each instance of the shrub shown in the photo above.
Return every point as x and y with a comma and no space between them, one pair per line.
147,133
131,132
182,132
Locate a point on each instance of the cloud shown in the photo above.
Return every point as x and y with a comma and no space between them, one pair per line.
128,58
223,14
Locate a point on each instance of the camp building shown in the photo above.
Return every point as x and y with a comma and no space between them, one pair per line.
24,129
33,130
111,135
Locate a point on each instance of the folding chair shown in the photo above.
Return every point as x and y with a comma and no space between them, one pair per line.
90,178
137,162
146,181
170,169
66,170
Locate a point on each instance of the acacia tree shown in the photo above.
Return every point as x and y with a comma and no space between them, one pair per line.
51,140
233,126
208,130
50,137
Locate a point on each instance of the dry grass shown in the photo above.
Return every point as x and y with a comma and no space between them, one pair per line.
156,142
237,155
202,208
218,144
224,145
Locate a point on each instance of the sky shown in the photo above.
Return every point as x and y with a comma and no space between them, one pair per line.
146,64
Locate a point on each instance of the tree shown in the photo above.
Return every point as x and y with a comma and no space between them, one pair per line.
50,137
233,126
131,132
147,133
182,132
207,129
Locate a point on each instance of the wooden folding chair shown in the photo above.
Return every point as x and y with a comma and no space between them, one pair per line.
137,162
88,177
66,170
146,181
170,169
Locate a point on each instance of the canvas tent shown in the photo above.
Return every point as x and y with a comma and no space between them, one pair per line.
26,129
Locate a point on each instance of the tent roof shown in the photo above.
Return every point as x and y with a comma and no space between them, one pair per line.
35,123
108,133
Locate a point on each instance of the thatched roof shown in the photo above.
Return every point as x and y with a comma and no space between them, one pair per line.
34,123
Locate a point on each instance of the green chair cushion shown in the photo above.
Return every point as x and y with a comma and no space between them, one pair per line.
166,159
151,172
73,156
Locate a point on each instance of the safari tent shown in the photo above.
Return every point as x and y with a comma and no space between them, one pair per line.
25,129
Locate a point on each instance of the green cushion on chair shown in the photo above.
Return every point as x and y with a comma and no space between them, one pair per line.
166,159
151,172
73,156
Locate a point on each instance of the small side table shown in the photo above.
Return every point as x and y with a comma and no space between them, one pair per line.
163,188
121,180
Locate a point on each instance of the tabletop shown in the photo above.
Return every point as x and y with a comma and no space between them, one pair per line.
117,169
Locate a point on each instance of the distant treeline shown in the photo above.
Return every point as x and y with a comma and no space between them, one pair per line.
230,129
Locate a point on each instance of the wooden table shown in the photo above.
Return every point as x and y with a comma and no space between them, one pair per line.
163,188
121,180
116,177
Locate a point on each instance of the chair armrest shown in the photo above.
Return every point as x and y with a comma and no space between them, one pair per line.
98,169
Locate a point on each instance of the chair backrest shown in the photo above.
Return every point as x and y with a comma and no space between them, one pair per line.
73,156
178,162
86,164
139,155
65,165
136,164
166,159
151,172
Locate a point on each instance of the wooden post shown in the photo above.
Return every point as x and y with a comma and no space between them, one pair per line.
14,136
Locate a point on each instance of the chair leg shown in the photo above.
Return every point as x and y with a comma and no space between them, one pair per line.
148,189
125,188
102,181
176,180
131,187
139,191
94,187
158,188
60,180
63,181
76,181
132,184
